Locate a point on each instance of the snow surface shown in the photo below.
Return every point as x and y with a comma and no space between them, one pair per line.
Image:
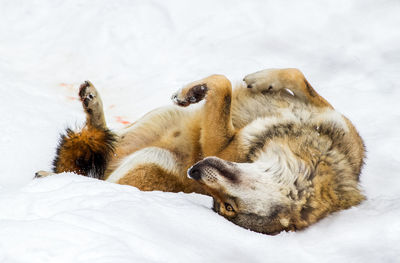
137,53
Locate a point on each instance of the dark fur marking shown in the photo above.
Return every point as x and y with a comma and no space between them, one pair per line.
310,89
305,212
263,224
227,105
275,210
177,133
229,141
82,89
335,134
292,196
86,103
216,206
60,145
279,130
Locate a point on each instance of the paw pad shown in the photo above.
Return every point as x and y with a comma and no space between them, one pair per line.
87,93
83,88
193,95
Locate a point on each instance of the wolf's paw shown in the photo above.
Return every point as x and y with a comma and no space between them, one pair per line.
263,81
89,97
190,94
41,174
92,104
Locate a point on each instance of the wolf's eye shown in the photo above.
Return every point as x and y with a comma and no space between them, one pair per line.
228,207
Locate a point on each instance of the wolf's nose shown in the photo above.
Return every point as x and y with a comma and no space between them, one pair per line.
194,173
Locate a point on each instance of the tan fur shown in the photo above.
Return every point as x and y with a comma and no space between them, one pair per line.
146,176
241,127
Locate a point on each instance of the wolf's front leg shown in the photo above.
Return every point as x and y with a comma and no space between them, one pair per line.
217,130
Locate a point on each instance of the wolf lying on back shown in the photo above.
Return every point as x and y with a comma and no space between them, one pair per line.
274,155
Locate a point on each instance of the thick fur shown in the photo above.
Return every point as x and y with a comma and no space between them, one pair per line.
86,152
282,157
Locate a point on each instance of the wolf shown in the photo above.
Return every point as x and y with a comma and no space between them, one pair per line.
273,154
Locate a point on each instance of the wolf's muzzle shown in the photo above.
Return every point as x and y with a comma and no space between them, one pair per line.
221,167
194,172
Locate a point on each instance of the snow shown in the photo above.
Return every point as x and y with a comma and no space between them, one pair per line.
137,53
69,218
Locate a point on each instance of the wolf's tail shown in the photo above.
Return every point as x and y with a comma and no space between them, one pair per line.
86,152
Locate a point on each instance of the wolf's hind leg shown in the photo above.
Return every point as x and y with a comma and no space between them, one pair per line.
291,79
87,151
93,105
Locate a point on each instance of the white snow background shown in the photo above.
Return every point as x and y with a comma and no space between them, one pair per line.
137,53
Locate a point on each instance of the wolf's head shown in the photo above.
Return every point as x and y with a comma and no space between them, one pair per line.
255,195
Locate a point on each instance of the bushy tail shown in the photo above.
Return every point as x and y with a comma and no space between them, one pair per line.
86,152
